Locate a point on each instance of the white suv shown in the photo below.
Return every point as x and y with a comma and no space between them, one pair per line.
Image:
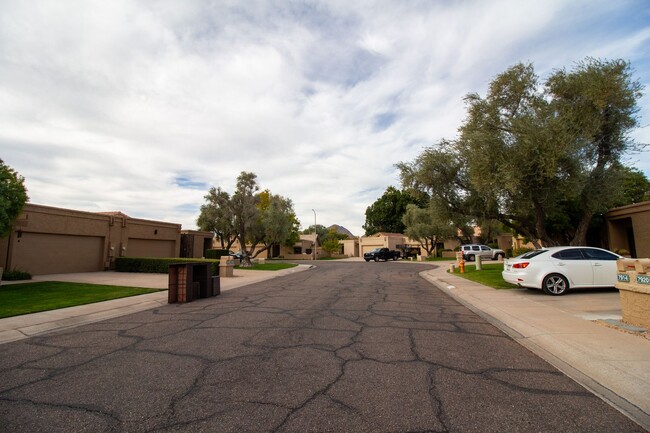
470,252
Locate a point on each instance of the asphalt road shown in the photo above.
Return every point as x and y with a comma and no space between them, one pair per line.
345,347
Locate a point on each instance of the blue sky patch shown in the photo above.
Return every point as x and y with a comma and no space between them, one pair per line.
187,183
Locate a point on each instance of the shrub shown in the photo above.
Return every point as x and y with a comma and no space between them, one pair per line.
519,251
215,254
157,265
622,252
15,275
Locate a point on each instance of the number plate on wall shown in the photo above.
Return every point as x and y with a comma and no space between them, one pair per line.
623,278
643,279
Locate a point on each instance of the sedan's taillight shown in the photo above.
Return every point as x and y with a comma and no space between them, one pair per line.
522,265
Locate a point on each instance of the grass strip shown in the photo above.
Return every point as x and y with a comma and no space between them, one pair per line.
269,267
490,276
25,298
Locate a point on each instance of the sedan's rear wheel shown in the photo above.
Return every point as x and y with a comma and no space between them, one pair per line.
555,285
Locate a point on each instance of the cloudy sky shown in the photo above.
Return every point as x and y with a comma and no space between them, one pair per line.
142,106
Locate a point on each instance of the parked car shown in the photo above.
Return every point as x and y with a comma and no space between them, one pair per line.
471,251
558,269
238,255
381,254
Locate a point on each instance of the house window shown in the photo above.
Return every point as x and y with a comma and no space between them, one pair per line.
297,250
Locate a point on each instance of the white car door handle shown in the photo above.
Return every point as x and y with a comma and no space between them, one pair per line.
597,264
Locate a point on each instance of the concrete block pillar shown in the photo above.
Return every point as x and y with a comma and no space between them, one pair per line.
226,267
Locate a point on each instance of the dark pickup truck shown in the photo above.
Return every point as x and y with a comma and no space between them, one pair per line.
381,254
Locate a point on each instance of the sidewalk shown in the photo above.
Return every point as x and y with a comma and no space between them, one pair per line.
29,325
609,362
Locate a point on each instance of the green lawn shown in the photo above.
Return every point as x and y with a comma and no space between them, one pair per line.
269,267
24,298
490,276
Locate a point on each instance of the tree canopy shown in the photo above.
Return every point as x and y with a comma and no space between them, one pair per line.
541,157
330,242
428,227
385,214
13,196
321,230
250,216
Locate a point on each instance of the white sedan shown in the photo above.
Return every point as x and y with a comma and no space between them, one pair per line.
557,269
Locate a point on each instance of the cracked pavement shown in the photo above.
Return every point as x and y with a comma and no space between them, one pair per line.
344,347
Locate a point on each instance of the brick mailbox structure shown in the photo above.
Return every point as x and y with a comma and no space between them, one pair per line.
190,281
634,289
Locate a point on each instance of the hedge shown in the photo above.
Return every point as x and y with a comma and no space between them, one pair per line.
15,275
215,254
157,265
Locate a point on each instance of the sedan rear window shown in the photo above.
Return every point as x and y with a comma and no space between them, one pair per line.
531,254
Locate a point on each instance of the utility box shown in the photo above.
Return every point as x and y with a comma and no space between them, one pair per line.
190,281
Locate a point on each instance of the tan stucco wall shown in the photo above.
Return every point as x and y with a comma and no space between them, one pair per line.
350,247
639,217
369,243
46,240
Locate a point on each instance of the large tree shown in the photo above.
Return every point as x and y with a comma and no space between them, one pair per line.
250,216
428,226
278,223
13,197
598,100
540,157
216,217
636,187
385,214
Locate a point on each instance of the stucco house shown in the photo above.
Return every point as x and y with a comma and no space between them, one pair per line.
50,240
301,250
628,228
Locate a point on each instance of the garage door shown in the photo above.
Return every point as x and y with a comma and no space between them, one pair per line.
150,248
40,253
368,248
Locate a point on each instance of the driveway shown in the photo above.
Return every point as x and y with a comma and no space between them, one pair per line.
352,347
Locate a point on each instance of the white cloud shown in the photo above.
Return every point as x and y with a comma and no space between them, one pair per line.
106,105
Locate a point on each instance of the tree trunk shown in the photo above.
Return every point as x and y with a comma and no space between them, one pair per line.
245,259
522,230
540,226
427,245
580,236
